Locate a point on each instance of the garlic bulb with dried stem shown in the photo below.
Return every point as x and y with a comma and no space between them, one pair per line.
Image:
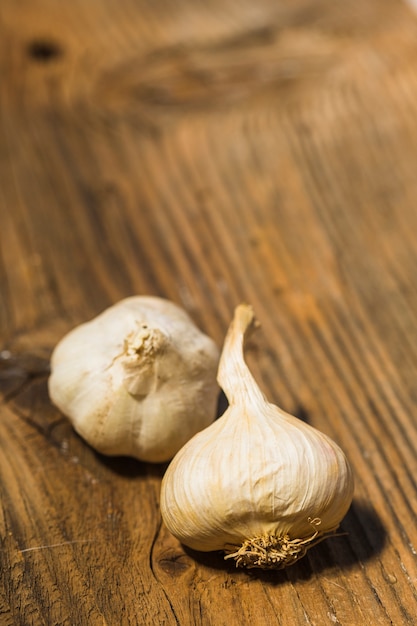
259,484
138,380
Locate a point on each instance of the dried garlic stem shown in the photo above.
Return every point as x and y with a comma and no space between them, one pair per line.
234,376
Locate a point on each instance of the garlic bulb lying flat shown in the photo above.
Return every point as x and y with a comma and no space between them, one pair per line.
138,380
258,483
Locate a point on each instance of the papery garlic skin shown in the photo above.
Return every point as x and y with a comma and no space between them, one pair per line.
138,380
258,483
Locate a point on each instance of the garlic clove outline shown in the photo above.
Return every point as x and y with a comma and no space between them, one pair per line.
258,483
138,380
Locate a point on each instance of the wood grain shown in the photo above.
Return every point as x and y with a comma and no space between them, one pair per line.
210,153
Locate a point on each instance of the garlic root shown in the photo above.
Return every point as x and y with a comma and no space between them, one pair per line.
275,551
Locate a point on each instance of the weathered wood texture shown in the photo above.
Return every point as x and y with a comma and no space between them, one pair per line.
210,153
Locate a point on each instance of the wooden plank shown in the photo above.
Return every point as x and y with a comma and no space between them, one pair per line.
211,154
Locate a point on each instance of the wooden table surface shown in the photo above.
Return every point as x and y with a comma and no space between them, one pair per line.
210,153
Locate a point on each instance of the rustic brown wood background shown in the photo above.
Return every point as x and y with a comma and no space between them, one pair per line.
211,153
